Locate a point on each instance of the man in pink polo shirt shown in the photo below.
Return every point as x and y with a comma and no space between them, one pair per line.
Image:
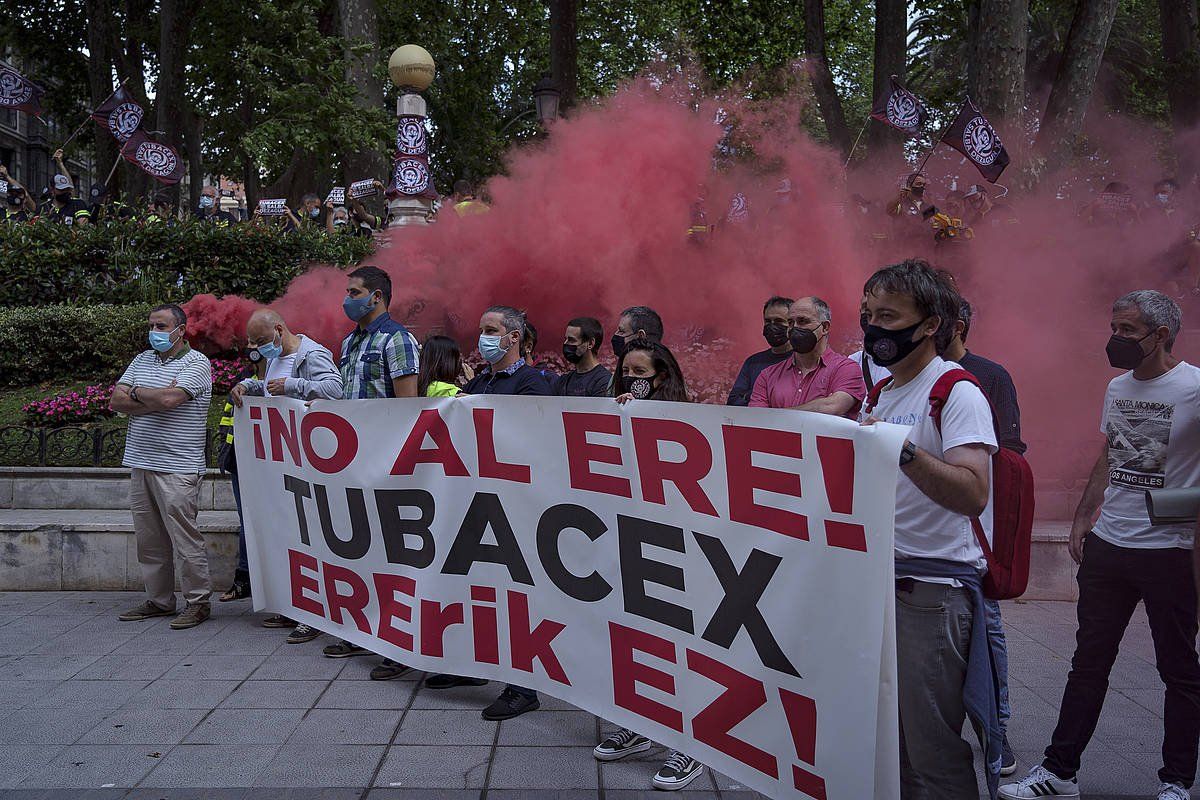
815,378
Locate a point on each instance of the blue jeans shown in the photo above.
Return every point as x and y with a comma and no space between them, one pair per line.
995,632
243,563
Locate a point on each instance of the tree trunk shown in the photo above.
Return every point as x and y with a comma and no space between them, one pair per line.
100,62
358,23
891,45
193,136
996,79
174,33
1181,54
828,102
564,49
1072,91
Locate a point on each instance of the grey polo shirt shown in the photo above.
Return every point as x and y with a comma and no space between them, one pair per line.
169,441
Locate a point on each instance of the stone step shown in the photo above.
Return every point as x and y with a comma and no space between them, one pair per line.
92,487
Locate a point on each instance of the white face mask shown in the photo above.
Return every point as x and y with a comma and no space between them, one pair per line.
1163,198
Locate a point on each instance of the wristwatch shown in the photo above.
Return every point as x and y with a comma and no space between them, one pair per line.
133,394
907,453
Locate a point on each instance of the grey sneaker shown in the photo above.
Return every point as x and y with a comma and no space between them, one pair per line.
679,770
622,743
145,610
192,616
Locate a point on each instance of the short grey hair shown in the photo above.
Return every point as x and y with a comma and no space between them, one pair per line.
822,308
1156,310
513,319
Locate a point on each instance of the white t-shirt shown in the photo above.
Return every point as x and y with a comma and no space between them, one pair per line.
1153,431
279,368
878,373
925,529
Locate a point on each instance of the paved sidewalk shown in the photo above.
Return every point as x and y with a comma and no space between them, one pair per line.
96,709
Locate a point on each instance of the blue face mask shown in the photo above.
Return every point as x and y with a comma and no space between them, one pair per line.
356,307
490,349
270,351
314,212
206,201
161,340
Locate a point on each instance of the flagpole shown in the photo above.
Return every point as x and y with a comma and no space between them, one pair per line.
857,139
941,135
120,85
113,171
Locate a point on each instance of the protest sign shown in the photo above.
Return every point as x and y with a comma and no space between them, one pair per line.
337,196
717,579
360,189
4,187
272,208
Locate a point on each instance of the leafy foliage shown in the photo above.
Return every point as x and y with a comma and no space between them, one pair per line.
39,343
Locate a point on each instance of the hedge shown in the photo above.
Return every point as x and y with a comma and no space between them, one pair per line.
130,262
44,343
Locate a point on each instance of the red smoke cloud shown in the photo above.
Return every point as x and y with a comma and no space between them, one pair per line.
594,218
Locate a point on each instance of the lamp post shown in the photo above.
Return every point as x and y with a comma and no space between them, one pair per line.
545,98
410,189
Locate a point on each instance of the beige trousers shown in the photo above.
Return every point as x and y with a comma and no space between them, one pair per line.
164,520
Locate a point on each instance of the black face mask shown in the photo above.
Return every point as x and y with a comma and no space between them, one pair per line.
917,191
571,353
1126,353
886,347
618,344
640,388
803,340
775,334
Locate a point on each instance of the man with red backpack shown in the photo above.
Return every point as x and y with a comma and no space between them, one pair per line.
944,485
1151,425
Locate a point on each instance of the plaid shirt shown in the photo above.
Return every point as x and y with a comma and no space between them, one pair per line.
372,358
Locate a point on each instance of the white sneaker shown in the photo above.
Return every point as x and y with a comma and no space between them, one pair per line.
1173,791
622,743
1040,782
677,772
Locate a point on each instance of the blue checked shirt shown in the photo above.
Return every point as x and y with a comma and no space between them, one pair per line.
373,358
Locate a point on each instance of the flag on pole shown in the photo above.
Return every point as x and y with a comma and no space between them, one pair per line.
973,136
157,160
120,115
19,93
900,108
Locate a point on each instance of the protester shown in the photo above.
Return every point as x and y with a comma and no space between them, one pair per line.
227,461
161,210
19,206
814,377
441,368
306,215
165,391
1152,439
775,331
648,370
65,207
379,359
465,202
636,322
910,202
501,331
106,207
944,483
529,342
581,349
210,208
1114,207
1164,204
337,219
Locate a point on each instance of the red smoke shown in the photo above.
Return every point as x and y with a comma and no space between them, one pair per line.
594,218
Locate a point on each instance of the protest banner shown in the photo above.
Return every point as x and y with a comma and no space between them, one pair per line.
337,196
276,207
717,579
4,187
363,188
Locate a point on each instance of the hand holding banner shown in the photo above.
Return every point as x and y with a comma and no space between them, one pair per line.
364,188
337,196
272,208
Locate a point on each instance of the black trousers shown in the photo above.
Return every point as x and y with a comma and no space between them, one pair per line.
1111,582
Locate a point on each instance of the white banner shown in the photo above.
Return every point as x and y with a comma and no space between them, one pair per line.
717,579
276,207
337,196
363,188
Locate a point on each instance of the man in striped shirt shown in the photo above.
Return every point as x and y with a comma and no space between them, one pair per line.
166,391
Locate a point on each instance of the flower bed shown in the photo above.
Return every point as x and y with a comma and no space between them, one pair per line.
89,404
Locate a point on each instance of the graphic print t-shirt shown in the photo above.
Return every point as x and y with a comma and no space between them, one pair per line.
1153,431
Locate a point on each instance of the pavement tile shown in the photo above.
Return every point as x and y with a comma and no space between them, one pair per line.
19,694
17,761
89,694
275,694
308,765
45,668
338,726
359,669
215,667
379,793
237,640
449,727
539,794
727,784
691,794
565,728
296,665
463,697
129,666
167,693
246,725
1149,699
367,694
210,765
48,725
434,767
93,766
149,726
636,774
557,768
240,793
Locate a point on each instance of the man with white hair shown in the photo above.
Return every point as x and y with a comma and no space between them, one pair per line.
1151,425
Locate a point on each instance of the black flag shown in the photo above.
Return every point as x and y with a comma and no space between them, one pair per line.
119,115
973,136
900,108
156,159
19,93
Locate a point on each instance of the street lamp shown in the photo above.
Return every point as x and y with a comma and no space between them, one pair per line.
545,97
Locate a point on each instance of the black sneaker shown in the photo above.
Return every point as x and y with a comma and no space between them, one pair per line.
389,670
344,649
303,633
622,743
445,681
278,621
510,704
677,772
1008,759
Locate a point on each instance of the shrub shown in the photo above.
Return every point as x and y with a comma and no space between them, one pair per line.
40,343
70,408
225,373
127,262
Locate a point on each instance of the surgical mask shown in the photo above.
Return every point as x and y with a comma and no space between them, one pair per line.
1162,198
618,344
1126,353
640,388
775,334
206,201
803,340
314,213
357,307
886,347
161,340
272,350
339,221
571,353
490,349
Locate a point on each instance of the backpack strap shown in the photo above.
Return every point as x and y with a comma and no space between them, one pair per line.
873,397
868,378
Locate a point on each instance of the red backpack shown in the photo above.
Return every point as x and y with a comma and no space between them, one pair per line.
1012,501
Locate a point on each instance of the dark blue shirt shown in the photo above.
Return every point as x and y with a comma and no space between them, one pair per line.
520,378
739,395
596,382
998,387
